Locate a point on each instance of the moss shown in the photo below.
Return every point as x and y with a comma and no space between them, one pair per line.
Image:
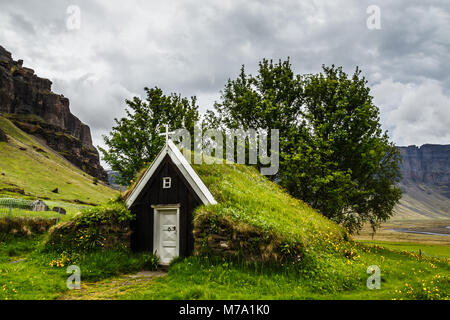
30,118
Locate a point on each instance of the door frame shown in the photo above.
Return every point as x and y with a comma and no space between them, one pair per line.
157,210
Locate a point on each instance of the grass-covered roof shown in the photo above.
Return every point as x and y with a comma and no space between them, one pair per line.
245,197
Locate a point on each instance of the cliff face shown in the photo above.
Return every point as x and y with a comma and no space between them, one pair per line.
29,102
428,164
3,137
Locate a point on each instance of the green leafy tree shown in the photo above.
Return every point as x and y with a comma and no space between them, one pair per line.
270,100
333,152
134,142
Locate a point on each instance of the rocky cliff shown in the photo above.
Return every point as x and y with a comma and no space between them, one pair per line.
3,136
29,102
428,164
425,183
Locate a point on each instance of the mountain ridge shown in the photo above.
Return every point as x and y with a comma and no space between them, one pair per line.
425,182
428,163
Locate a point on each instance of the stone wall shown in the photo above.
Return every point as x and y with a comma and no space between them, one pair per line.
221,237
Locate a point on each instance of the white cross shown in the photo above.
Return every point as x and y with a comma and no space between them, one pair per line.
167,133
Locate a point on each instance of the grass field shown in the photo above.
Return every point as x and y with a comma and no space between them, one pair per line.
27,271
108,275
438,251
70,208
197,279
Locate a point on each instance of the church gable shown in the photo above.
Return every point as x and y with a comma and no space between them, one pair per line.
167,185
171,153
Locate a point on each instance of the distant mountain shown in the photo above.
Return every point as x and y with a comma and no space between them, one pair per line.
425,183
112,180
27,100
428,164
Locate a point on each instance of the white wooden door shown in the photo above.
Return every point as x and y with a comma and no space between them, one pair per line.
167,234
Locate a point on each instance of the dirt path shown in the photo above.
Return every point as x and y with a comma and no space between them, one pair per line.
113,288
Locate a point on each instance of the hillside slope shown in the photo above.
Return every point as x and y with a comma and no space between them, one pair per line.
28,168
422,201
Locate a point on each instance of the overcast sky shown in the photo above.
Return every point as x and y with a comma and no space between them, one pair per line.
193,47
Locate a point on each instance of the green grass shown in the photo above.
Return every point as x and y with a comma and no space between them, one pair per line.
71,211
14,248
37,171
35,277
26,279
440,251
332,278
331,267
402,277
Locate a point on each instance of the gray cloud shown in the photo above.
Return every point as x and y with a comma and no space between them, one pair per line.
414,114
193,48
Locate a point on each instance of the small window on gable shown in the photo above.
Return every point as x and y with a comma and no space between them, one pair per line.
167,182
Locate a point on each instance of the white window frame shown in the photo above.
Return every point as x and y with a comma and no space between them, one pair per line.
167,182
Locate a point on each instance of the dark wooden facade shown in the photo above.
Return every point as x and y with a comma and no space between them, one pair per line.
153,194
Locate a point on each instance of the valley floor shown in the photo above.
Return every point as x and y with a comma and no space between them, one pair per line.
387,232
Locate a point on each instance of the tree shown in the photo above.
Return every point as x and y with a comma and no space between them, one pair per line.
134,142
333,152
270,100
344,164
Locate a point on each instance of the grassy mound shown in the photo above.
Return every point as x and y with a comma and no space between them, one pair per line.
255,218
102,227
97,239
